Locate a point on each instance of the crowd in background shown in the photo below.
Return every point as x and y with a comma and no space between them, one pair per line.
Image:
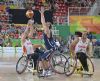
11,31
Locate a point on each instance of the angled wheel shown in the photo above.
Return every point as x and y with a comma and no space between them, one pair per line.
21,64
70,68
57,62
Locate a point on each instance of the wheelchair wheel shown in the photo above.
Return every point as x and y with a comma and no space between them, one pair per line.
57,62
21,64
90,65
38,69
70,66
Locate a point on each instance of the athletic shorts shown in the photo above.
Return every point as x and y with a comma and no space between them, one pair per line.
44,56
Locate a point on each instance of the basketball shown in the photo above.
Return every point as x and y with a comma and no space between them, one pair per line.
29,13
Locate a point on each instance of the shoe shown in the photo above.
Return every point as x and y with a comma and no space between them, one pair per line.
34,71
86,72
49,73
43,73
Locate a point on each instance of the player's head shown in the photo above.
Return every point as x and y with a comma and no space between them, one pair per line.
48,24
27,37
84,34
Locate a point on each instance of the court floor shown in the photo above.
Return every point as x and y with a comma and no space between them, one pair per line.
8,73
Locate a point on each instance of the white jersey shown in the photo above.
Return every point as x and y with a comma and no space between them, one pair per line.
29,47
82,46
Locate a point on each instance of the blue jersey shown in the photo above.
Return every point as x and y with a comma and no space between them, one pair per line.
49,42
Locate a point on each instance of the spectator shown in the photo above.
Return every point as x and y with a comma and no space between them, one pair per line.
0,26
8,41
1,41
89,35
40,34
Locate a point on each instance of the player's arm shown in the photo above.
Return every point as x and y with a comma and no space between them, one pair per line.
30,28
72,46
46,29
88,49
24,35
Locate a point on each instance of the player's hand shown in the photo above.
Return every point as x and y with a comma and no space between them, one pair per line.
42,10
